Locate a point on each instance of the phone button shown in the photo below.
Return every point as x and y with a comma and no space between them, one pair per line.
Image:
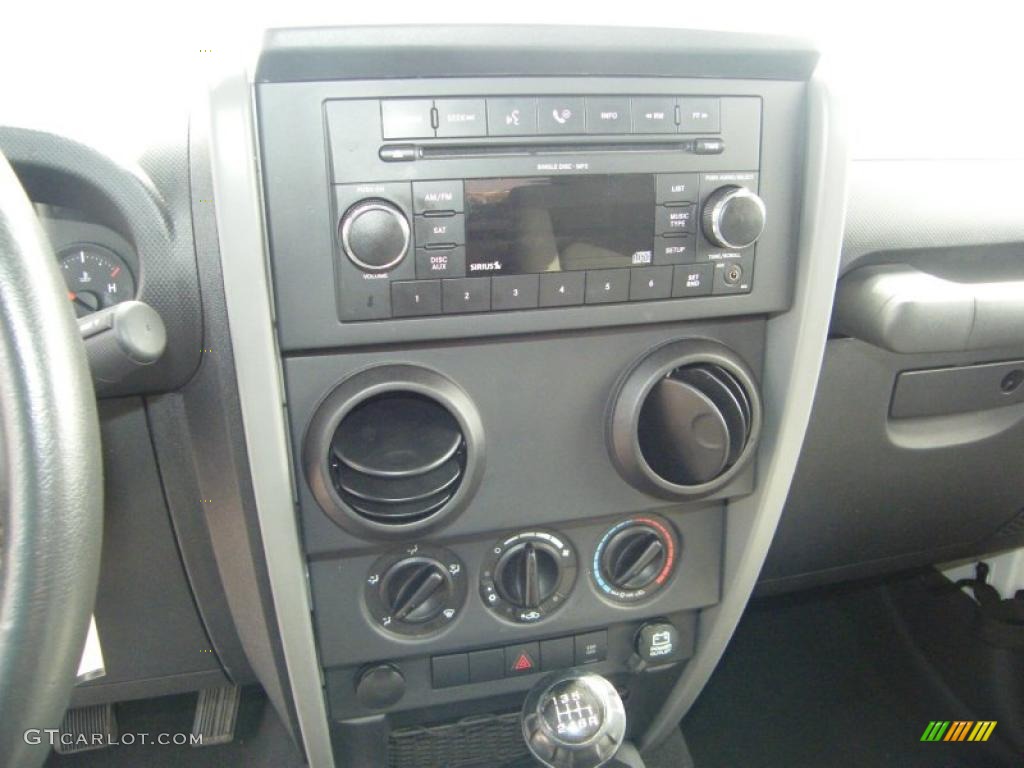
560,115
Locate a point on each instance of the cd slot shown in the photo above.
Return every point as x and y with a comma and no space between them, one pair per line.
522,150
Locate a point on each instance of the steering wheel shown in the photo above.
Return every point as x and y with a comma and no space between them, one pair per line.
51,505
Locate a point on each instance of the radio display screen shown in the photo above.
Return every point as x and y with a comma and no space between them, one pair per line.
558,223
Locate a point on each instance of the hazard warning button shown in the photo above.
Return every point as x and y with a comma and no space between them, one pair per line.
522,659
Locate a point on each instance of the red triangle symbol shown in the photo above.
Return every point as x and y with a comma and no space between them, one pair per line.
524,662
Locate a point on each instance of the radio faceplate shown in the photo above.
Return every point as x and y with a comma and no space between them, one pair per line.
532,242
427,250
563,230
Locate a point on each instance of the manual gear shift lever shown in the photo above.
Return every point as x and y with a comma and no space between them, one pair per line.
574,720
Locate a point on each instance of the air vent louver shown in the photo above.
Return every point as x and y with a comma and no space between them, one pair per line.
397,458
695,424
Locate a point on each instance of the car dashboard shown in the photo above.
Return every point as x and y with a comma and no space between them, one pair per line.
494,352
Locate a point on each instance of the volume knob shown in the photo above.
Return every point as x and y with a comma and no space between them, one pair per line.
374,235
733,217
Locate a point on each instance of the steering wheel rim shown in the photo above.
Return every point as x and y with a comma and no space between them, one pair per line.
51,506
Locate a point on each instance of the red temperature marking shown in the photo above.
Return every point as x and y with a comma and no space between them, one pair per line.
116,272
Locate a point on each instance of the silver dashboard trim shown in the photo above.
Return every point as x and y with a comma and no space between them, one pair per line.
244,260
794,350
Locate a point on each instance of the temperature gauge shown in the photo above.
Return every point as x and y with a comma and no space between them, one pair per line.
96,277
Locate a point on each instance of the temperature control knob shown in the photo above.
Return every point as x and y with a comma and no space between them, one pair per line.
527,576
733,217
374,235
635,558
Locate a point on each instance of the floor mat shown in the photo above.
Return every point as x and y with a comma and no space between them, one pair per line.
824,679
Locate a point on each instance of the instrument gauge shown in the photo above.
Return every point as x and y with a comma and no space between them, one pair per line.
96,277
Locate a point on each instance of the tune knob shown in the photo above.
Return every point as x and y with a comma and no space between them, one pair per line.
374,235
733,217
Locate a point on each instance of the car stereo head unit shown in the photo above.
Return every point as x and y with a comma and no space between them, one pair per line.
520,203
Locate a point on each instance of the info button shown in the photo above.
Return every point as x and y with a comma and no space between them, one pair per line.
607,115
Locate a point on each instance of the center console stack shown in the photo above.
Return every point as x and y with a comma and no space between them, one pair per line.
521,281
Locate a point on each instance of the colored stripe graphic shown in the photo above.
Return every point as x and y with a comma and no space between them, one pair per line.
935,730
958,730
982,730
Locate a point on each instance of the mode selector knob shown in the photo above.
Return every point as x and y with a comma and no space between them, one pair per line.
374,235
733,217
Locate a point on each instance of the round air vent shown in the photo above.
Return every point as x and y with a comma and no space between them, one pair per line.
686,419
393,450
397,457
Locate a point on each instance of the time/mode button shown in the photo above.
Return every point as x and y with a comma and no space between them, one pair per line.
406,118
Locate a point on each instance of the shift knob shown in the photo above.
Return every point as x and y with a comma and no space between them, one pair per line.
574,720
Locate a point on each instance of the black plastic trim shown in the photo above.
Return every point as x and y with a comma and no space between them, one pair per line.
354,53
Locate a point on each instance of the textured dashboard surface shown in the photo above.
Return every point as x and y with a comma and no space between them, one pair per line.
913,204
150,207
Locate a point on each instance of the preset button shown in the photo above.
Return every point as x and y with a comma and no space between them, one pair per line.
514,291
650,283
416,297
468,294
560,289
605,286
